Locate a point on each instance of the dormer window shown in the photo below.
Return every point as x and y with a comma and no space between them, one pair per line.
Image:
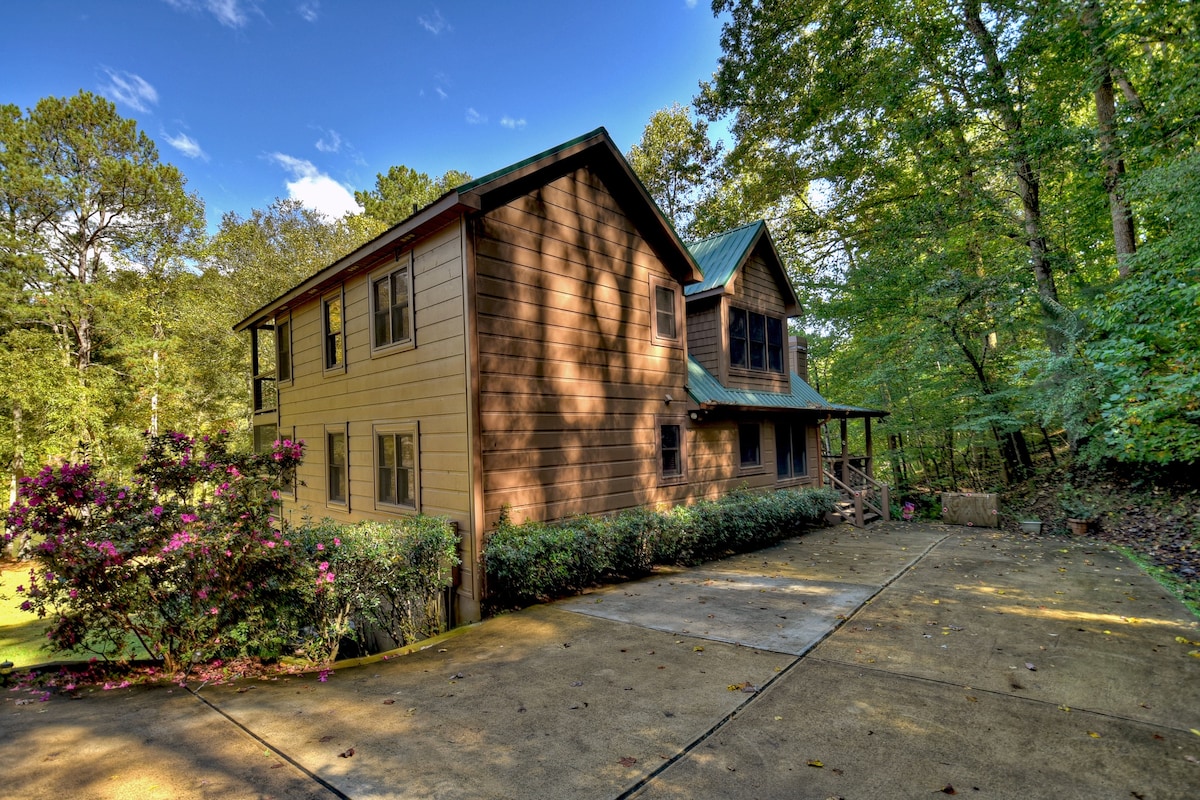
755,341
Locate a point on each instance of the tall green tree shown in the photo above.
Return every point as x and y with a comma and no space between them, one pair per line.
402,190
82,192
677,163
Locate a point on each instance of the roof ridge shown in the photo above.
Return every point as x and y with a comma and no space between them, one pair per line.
493,175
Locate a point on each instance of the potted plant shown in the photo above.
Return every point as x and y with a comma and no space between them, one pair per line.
1080,513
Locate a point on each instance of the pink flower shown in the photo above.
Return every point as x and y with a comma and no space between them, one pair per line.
213,611
271,544
320,547
156,511
188,517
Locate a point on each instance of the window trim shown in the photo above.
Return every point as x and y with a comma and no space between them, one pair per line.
280,379
263,381
750,345
326,335
333,430
404,262
750,467
660,422
792,476
397,428
656,283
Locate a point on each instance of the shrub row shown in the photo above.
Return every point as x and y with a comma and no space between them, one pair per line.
536,560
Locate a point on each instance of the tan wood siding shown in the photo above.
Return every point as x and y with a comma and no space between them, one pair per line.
714,459
571,379
425,384
704,336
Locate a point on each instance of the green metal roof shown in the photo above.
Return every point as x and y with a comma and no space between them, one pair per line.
720,256
708,391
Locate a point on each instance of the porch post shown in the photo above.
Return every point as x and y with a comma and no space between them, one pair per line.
870,452
842,475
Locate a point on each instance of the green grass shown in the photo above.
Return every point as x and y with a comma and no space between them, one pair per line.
21,634
1188,592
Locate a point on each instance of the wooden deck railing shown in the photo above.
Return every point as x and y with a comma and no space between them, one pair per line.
859,488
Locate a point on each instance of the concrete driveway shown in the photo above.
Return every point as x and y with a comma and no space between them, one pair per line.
901,661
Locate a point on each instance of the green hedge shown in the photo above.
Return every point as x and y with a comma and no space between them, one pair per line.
538,560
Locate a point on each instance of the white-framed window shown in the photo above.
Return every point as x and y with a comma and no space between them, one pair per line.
791,450
333,326
337,465
755,341
749,445
397,466
665,311
672,449
391,305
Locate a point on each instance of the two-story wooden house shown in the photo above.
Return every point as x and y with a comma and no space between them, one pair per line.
538,338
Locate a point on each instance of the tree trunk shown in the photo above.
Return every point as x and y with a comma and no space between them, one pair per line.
1028,181
1124,241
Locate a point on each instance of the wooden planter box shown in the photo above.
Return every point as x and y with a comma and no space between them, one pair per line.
974,509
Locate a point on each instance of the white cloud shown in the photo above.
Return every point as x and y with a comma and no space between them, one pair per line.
690,3
434,23
186,145
330,142
309,10
230,13
315,189
130,90
474,117
441,92
512,124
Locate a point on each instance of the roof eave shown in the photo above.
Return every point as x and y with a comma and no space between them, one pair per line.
430,218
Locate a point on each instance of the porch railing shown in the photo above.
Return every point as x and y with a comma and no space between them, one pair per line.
858,489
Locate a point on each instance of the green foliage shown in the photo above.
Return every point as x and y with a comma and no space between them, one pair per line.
537,560
676,162
403,190
376,577
1146,350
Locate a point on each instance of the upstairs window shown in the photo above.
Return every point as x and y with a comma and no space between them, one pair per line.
332,327
391,305
262,369
664,312
283,350
755,341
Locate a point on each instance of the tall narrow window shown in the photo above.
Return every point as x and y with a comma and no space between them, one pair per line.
775,344
263,369
334,346
791,451
283,349
397,480
664,312
670,451
391,308
738,342
750,444
336,464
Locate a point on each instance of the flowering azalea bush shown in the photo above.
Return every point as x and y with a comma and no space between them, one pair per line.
189,559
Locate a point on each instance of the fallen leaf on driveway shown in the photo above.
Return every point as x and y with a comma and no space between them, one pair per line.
815,763
627,761
346,753
948,790
1093,734
1030,667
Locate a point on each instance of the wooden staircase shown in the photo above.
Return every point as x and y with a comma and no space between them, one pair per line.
863,499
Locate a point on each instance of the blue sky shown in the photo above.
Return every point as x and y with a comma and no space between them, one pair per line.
258,99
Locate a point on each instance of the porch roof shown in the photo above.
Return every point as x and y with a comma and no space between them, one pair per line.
708,392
